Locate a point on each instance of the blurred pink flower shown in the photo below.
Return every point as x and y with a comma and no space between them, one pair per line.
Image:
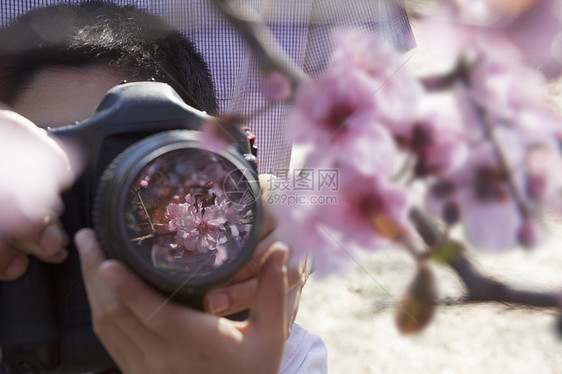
213,138
369,215
197,230
276,86
482,193
337,115
502,84
492,224
443,155
543,182
396,90
529,234
439,148
371,212
536,31
298,226
533,26
358,49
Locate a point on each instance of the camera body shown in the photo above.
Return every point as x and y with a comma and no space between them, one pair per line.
141,133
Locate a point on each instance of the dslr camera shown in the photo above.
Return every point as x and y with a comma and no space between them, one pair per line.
182,213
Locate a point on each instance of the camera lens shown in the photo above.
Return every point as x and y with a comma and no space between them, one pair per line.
183,217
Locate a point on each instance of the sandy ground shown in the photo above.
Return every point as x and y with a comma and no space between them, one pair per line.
355,316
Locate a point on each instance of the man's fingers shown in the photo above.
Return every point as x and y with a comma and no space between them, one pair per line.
53,238
120,345
232,299
13,264
270,308
151,308
116,326
57,258
48,246
253,267
128,339
90,255
103,301
269,222
295,270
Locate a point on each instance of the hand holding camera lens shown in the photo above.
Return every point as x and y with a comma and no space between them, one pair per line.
240,292
145,333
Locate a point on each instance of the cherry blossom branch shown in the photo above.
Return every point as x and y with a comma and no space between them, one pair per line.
441,82
141,202
153,232
461,74
489,132
261,42
479,287
153,235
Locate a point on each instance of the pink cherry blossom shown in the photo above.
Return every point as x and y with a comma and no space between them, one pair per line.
197,229
232,214
369,215
212,137
440,149
529,234
490,211
337,115
365,206
276,86
397,91
299,227
542,185
488,157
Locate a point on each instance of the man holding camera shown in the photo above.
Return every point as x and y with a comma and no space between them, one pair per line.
56,65
138,339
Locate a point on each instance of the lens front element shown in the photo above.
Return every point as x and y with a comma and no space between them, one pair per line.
186,218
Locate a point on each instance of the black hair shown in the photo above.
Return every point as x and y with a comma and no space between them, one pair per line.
126,38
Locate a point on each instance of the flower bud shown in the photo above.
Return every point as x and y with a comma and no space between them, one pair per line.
528,235
418,306
536,186
276,86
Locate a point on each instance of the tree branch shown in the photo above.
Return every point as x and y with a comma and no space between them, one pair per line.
261,42
479,287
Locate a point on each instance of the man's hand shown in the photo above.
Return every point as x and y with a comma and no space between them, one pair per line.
145,333
34,171
239,294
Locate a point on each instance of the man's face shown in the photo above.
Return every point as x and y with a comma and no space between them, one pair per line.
59,96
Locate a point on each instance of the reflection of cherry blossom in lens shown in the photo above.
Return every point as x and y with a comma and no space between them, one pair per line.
180,215
201,228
